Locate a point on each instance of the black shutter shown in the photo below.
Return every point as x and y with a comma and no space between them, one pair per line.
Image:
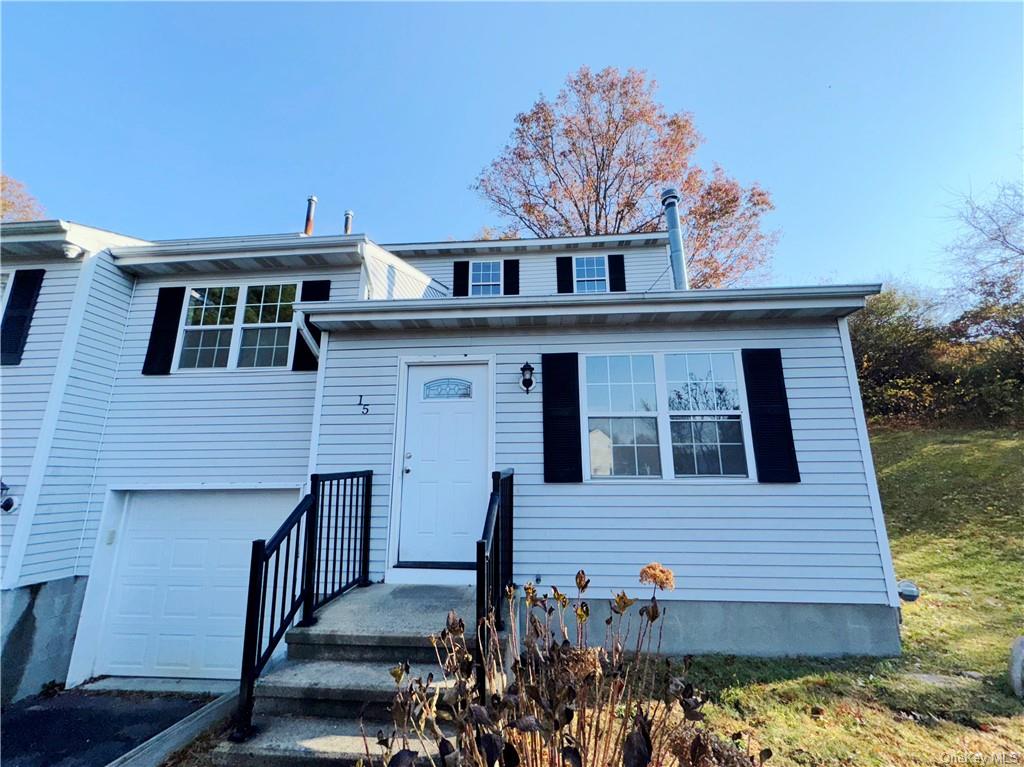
460,278
164,333
774,452
21,305
560,389
616,273
563,266
510,274
312,290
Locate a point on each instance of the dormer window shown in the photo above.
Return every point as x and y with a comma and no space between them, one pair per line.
485,278
591,274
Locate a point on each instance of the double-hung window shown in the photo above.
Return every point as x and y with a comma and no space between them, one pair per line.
266,326
209,324
704,408
485,278
591,274
237,327
622,423
671,415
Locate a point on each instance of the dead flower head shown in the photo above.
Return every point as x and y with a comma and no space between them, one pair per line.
622,603
658,576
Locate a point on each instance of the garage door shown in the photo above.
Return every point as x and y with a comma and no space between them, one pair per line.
177,599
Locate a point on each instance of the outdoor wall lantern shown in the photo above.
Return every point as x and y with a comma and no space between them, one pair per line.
527,382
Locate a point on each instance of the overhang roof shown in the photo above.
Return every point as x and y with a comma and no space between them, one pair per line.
539,245
663,307
240,254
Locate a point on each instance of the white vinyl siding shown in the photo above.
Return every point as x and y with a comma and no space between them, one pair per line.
252,426
814,541
26,387
646,269
67,487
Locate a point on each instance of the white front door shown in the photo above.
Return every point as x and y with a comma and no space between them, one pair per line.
445,483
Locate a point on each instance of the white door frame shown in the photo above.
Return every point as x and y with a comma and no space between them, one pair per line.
394,574
106,550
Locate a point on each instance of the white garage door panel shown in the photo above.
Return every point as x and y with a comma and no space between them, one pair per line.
177,601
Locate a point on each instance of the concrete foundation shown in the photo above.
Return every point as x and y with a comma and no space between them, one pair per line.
38,624
759,628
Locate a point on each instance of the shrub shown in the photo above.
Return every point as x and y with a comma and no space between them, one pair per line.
554,701
914,367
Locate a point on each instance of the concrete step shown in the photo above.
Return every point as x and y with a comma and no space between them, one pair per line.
387,623
311,644
338,689
295,741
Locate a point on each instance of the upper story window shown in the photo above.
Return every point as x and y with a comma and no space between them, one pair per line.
485,278
649,411
591,274
266,326
221,331
209,322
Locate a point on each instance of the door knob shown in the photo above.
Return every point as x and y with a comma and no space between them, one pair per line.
408,470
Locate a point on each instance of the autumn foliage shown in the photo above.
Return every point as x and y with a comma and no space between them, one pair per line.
594,161
16,204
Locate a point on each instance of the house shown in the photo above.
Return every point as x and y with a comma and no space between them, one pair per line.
192,387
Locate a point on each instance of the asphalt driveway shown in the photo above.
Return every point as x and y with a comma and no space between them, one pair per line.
82,729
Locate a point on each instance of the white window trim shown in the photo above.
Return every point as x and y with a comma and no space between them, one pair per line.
664,417
607,275
501,275
236,327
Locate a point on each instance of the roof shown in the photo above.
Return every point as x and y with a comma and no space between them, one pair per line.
535,244
277,251
236,254
665,307
56,238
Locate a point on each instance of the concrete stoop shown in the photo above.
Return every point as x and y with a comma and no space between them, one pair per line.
325,704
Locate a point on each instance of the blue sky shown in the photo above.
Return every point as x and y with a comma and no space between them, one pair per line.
189,119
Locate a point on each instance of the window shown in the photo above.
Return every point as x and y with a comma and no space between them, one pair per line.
591,274
485,278
646,411
266,326
704,403
218,332
448,388
209,321
622,423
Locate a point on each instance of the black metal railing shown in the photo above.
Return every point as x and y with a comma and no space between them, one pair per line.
494,564
321,551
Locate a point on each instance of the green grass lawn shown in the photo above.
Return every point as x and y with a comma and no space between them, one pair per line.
953,503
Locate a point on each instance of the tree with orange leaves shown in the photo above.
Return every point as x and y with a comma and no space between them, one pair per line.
594,161
16,204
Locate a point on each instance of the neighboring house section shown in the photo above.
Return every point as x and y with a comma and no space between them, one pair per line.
55,363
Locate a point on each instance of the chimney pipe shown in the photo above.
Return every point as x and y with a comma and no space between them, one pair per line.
677,258
310,212
348,221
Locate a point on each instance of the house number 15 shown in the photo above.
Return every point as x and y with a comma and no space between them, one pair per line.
366,408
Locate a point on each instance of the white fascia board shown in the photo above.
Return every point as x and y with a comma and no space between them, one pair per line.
837,300
644,239
228,246
139,258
